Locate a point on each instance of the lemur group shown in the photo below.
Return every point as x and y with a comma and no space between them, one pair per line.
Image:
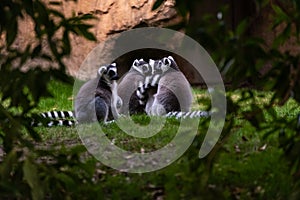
155,88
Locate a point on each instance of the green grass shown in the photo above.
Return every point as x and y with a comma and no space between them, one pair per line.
62,98
241,169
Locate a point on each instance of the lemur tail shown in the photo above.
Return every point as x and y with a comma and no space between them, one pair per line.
190,114
66,118
54,118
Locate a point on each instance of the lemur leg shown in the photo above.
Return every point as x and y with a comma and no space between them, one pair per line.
101,109
116,101
157,109
85,113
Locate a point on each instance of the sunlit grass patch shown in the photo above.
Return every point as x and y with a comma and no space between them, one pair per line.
62,98
201,99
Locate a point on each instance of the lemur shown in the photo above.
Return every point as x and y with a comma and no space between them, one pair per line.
167,91
96,100
151,82
128,85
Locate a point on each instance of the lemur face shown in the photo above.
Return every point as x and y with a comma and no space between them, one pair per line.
109,72
163,65
142,67
156,66
112,72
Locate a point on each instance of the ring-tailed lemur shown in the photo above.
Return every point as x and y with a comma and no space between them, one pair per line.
128,85
167,90
97,100
148,87
146,77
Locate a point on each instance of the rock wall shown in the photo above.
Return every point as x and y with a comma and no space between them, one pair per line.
113,16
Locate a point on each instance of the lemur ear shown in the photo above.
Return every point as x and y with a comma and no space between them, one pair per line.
171,58
151,62
135,63
141,60
166,64
113,64
101,70
172,63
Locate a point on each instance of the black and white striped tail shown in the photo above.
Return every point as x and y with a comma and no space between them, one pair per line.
186,115
143,87
57,114
54,122
54,118
141,93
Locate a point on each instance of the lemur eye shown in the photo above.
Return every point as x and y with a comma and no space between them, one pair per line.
159,64
145,68
166,61
111,73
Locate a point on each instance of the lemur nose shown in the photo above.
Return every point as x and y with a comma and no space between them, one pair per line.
115,77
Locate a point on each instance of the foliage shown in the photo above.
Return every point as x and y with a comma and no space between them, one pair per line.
245,60
228,177
22,171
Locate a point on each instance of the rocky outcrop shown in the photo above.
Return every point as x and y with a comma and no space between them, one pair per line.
113,16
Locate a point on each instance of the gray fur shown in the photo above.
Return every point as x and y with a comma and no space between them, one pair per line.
128,85
97,99
173,92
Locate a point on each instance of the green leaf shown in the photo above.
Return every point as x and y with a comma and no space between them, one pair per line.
83,30
86,17
241,28
279,11
56,13
157,4
272,112
7,165
36,51
32,178
55,3
32,132
11,33
67,180
25,54
28,6
66,43
182,7
78,149
283,36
